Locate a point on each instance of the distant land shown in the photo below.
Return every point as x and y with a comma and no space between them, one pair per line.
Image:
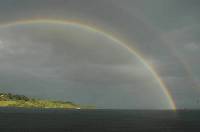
12,100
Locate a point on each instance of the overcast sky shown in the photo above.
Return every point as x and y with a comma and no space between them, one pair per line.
66,62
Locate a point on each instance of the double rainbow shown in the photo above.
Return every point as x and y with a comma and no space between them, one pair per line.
133,51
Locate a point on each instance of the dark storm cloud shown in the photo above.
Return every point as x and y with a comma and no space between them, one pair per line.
174,46
165,32
49,59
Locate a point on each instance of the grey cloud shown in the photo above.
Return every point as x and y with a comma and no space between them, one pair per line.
47,61
166,33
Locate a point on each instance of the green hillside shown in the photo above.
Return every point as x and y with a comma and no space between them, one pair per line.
11,100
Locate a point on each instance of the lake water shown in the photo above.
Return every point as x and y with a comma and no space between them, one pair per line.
38,120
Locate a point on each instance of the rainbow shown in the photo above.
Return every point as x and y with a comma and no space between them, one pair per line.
108,35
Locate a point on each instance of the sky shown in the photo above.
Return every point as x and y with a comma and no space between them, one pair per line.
71,62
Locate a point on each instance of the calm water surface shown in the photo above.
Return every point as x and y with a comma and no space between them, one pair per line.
36,120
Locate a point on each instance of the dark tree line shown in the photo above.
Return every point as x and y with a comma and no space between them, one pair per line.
10,96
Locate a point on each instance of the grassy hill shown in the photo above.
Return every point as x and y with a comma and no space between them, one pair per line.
11,100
